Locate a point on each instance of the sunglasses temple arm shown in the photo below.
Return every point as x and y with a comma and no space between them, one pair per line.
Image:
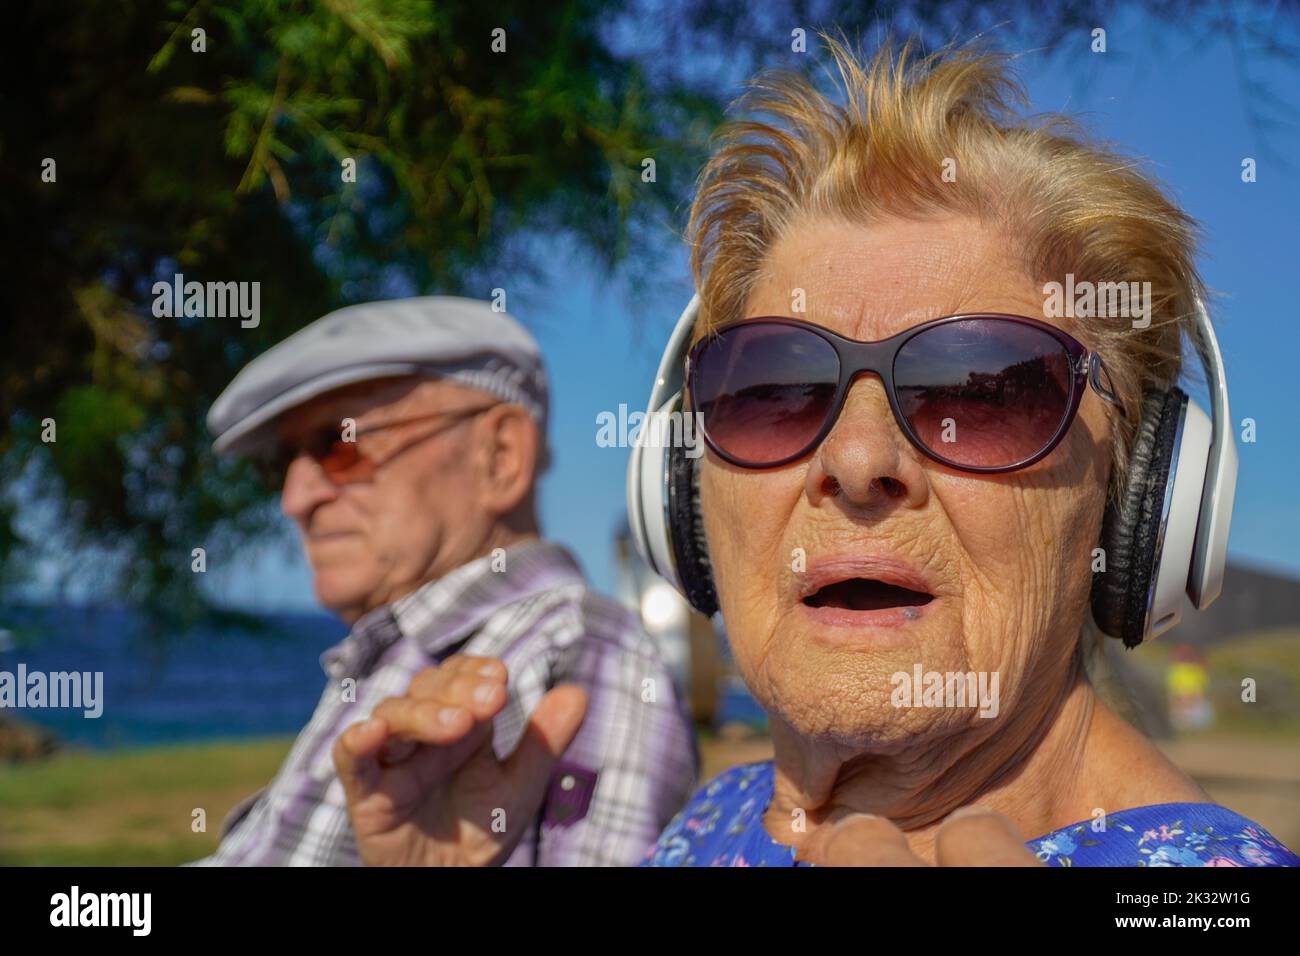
1096,373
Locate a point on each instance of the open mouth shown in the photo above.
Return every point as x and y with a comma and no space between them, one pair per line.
866,594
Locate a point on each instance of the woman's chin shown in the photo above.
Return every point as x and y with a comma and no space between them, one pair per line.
847,694
875,728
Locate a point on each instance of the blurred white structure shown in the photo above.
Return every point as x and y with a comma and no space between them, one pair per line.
664,613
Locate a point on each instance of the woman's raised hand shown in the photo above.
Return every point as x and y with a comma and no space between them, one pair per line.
970,836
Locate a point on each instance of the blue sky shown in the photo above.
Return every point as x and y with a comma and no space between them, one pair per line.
1183,110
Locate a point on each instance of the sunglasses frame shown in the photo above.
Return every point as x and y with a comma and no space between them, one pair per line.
879,357
273,467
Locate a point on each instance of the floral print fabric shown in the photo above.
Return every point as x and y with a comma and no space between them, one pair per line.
722,825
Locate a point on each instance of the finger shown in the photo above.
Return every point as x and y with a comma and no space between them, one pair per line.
396,751
457,723
430,681
978,836
354,757
365,755
859,840
551,728
490,667
425,683
483,697
424,721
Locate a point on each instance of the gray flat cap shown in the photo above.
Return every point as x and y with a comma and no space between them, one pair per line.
461,339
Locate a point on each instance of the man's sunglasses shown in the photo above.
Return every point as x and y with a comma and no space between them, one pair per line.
979,393
339,457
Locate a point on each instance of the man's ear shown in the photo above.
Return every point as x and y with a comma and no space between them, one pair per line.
510,442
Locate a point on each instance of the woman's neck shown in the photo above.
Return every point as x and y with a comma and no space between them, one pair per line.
1040,766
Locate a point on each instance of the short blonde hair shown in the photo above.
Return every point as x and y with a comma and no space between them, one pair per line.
876,146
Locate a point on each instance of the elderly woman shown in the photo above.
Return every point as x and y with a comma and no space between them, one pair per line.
940,515
910,453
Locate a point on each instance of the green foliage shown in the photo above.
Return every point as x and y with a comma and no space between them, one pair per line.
226,165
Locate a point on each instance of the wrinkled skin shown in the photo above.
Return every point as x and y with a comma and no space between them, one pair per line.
447,491
1008,558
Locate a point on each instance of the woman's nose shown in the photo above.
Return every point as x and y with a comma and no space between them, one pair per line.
866,461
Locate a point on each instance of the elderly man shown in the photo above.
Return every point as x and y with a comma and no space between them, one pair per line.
408,436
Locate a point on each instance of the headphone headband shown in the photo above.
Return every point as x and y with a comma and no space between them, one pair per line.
1210,552
647,474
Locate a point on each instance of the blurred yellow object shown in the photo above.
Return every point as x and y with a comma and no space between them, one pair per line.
1185,679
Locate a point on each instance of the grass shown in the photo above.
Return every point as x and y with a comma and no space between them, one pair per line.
128,808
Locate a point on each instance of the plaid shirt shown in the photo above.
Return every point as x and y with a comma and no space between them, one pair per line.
628,771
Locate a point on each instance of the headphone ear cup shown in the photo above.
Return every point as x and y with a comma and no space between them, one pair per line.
686,529
1130,532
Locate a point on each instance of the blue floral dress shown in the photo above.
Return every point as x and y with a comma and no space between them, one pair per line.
722,825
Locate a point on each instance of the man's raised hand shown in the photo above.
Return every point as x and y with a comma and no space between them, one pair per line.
424,786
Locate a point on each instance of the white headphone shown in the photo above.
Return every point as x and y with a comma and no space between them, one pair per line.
1166,538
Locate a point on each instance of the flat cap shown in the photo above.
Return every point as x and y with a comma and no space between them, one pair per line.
461,339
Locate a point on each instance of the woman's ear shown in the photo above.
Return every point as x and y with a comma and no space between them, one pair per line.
511,445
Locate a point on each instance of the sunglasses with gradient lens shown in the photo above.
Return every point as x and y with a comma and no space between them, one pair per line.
978,393
340,458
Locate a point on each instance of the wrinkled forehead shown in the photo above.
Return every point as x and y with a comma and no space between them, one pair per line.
869,282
